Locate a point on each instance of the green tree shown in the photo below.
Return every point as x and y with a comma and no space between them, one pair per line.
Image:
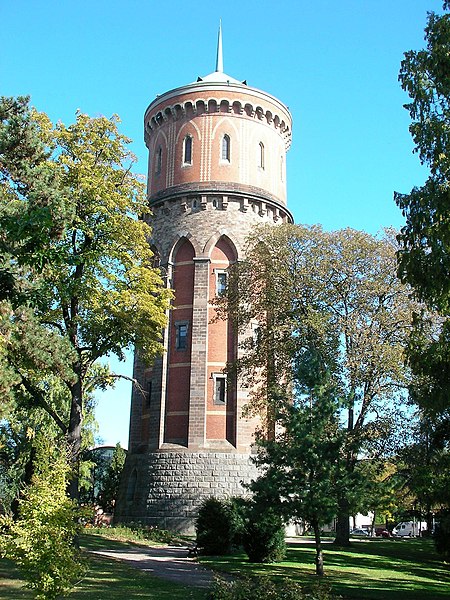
41,540
300,468
424,254
111,481
75,255
345,283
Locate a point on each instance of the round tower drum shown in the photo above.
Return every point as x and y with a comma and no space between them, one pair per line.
216,169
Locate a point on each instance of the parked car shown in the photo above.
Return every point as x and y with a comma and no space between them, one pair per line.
382,532
359,532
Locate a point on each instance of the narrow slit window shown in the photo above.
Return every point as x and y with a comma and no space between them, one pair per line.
149,393
187,159
221,282
226,147
261,155
181,335
158,161
220,389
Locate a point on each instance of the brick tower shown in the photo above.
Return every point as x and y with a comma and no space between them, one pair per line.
216,168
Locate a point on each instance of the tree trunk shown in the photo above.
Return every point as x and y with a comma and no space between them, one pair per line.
343,525
319,552
26,480
74,435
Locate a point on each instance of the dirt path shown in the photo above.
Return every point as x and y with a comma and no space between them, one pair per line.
168,562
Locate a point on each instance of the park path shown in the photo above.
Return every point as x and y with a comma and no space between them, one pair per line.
168,562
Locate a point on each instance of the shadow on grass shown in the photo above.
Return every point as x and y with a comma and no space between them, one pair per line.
105,578
113,580
11,586
372,569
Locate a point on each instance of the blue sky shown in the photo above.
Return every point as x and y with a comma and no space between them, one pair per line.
334,63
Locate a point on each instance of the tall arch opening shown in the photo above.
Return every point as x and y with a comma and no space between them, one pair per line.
221,409
176,428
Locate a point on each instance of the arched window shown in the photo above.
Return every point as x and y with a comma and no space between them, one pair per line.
158,160
281,168
187,150
226,147
261,155
131,487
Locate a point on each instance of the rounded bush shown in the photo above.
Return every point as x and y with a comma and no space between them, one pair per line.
263,538
216,526
442,537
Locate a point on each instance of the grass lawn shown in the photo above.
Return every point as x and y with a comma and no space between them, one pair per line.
105,579
373,569
370,569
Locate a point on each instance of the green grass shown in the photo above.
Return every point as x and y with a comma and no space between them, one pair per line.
369,569
105,578
11,586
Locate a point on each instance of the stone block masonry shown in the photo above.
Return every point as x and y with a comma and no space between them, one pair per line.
176,483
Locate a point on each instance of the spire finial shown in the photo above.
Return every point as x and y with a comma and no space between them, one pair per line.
219,60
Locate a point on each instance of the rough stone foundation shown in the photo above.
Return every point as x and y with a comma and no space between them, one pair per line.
166,488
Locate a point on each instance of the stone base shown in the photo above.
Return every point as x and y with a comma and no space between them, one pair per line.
166,488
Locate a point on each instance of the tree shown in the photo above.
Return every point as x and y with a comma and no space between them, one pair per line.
111,481
75,254
41,540
424,466
424,254
345,284
300,468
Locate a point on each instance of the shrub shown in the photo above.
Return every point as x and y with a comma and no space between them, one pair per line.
41,541
217,525
442,537
263,538
137,532
255,588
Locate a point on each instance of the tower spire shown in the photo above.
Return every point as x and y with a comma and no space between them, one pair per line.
219,59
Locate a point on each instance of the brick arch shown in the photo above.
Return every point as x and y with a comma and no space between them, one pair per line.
157,142
221,417
182,131
222,239
228,121
182,238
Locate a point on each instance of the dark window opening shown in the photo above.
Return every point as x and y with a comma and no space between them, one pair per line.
187,150
221,283
226,143
181,335
159,160
220,389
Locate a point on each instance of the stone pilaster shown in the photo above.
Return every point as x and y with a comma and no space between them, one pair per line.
199,355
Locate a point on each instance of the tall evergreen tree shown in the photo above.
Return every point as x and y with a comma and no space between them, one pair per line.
424,255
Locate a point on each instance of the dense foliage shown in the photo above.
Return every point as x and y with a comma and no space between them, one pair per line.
424,255
325,323
217,526
41,540
261,586
76,281
263,536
